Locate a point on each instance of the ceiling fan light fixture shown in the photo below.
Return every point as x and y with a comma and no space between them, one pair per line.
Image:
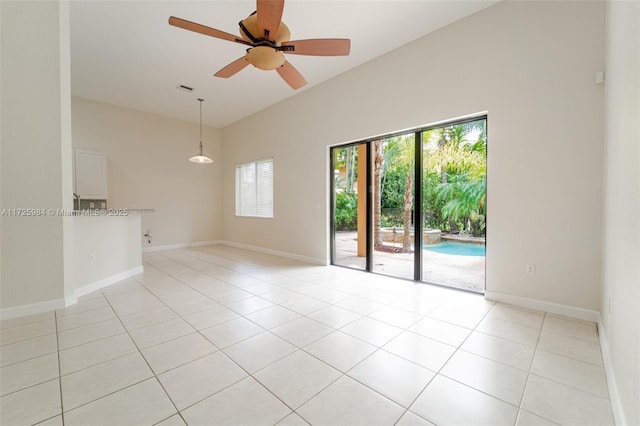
200,158
265,57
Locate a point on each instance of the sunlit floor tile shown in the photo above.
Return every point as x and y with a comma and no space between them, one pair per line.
258,351
192,382
565,404
27,373
246,402
447,402
351,403
31,405
491,377
340,350
95,382
581,375
143,403
421,350
302,331
441,331
398,379
176,352
297,377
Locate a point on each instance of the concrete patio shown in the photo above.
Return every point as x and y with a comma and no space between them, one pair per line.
463,272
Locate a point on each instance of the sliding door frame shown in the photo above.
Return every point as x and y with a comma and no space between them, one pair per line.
417,191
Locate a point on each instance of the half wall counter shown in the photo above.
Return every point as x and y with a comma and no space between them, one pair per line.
107,247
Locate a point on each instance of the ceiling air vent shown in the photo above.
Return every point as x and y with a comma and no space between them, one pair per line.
184,88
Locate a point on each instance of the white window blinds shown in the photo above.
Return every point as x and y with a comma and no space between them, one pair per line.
254,189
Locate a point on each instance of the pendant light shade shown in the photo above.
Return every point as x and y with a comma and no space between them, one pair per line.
200,157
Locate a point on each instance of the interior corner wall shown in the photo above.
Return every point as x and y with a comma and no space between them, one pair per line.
34,142
621,234
530,65
148,168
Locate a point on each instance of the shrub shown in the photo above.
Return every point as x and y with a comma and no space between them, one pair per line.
346,211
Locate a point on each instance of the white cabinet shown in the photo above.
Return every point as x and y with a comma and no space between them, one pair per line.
91,175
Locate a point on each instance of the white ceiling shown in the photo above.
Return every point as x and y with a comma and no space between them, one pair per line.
125,53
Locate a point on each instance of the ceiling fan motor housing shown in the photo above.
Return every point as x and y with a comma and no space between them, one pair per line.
250,24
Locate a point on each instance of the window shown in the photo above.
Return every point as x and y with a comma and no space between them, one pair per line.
254,189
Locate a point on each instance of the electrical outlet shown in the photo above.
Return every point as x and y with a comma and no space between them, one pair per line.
92,258
530,269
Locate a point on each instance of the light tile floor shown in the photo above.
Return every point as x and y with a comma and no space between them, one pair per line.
221,336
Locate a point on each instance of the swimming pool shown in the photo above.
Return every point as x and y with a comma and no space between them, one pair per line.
459,249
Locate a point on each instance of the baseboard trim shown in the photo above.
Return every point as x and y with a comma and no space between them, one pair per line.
306,259
541,305
181,245
619,417
32,309
50,305
89,288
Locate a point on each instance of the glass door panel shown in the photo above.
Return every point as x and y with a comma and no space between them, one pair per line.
349,201
454,205
393,210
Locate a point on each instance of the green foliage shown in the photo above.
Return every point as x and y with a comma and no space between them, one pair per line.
431,205
464,202
393,188
455,185
346,211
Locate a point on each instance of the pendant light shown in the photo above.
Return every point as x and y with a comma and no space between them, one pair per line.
200,157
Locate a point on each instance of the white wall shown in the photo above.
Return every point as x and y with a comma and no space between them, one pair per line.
36,150
531,66
148,168
114,244
621,253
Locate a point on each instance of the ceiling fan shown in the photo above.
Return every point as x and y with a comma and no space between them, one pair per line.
268,38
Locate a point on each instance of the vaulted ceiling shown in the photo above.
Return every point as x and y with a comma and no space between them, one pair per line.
125,53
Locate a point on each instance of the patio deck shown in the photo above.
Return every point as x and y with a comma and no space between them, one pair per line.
464,272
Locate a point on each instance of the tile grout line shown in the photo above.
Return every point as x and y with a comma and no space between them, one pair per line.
55,316
444,364
148,365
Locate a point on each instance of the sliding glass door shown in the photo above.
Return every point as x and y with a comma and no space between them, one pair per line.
413,205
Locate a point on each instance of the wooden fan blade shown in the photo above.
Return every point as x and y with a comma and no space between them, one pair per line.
232,68
202,29
318,47
269,16
291,75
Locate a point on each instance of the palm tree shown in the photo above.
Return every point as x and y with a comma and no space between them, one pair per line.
460,158
464,200
378,167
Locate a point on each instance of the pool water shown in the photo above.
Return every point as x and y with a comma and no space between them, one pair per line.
459,249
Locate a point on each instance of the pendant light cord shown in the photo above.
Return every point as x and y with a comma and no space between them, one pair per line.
200,99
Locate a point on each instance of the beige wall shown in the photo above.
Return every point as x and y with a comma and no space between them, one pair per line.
620,306
148,168
531,66
36,151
